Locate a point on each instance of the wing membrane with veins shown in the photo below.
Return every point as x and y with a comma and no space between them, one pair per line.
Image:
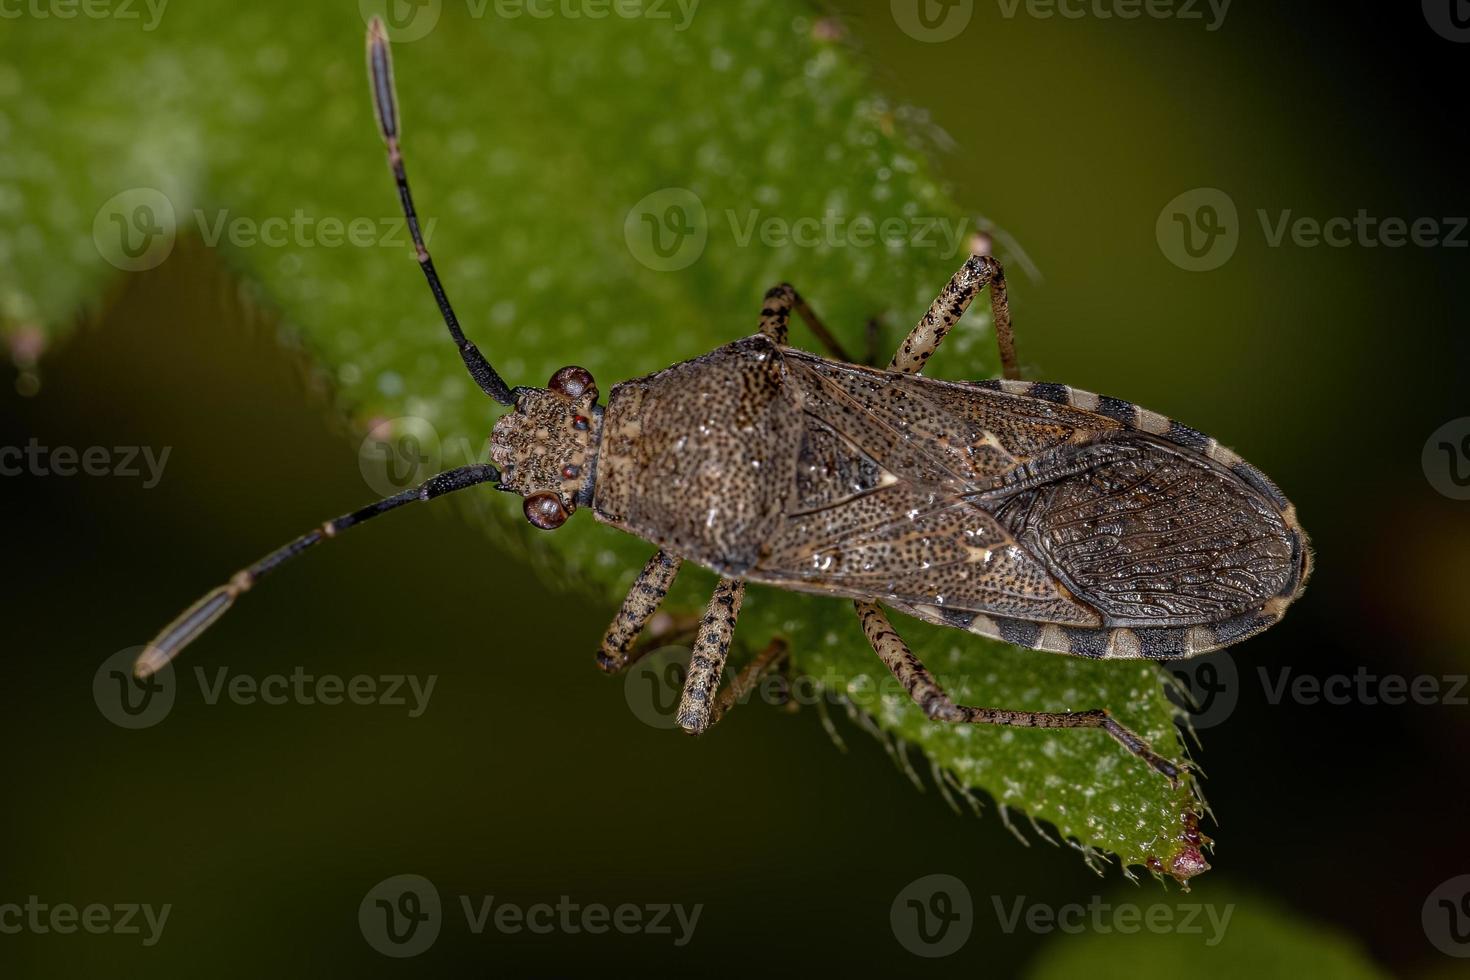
940,494
887,474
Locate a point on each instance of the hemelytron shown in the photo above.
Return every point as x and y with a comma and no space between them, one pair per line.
1032,513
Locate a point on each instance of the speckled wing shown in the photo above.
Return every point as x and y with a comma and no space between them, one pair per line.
1027,518
885,504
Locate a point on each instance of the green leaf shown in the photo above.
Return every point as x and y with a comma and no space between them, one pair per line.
541,150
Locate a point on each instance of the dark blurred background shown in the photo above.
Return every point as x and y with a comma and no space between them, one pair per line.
264,826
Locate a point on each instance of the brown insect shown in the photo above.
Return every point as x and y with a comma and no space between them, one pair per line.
1032,513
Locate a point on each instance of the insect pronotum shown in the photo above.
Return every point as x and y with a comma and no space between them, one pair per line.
1032,513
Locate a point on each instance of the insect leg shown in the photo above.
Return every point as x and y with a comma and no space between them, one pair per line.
938,706
711,649
978,272
775,656
638,608
776,313
385,100
198,617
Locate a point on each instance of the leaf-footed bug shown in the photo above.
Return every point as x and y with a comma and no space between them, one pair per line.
1032,513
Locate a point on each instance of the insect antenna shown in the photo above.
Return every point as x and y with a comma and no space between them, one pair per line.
385,101
200,616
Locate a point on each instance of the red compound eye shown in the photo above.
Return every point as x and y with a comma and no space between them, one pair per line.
572,382
544,510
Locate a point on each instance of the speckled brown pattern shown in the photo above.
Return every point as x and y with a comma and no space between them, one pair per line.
642,601
547,445
1018,515
711,650
946,310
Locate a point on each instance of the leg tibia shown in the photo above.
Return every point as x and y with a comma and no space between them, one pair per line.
642,602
